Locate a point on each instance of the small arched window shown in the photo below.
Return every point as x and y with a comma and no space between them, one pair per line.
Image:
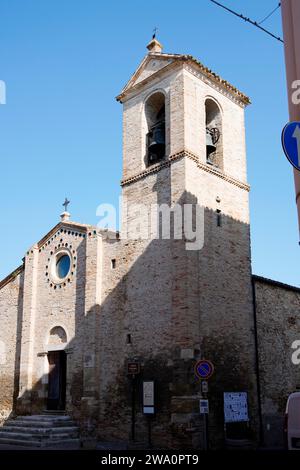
156,128
57,335
213,123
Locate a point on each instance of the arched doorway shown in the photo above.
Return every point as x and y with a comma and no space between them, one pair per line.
57,376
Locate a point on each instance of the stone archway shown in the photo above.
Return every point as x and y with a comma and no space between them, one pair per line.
57,372
57,336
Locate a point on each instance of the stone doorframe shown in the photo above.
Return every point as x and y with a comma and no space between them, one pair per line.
56,345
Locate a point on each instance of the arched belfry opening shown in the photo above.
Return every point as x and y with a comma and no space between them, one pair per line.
213,123
156,128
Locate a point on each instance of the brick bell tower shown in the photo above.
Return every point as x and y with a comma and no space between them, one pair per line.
184,143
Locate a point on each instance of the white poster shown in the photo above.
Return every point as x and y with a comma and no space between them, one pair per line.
235,407
149,393
148,397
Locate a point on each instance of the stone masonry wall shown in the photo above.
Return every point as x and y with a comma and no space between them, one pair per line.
71,305
10,319
278,326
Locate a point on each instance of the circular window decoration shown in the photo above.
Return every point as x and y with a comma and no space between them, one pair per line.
63,264
60,266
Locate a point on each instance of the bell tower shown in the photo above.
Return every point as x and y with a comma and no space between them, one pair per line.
184,144
176,109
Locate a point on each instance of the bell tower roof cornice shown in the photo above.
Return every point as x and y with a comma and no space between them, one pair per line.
168,61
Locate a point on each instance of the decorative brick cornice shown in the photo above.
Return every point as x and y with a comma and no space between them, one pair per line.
214,80
221,86
190,63
70,226
152,169
178,156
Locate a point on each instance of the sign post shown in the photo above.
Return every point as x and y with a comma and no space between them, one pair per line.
204,407
204,369
204,386
133,369
148,405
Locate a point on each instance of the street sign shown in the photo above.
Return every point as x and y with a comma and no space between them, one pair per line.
204,369
290,139
235,407
148,397
133,368
204,386
204,407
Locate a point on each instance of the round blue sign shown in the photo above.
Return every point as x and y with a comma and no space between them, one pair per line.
204,369
291,143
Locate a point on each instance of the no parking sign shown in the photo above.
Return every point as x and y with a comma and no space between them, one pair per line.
204,369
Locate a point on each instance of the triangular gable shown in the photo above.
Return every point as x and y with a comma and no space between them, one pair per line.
156,61
151,64
66,225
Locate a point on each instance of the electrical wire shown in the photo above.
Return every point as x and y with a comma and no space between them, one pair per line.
248,20
270,14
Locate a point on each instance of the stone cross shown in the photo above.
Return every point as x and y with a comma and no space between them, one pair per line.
66,203
154,32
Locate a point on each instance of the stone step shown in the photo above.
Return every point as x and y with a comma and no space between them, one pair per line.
43,418
37,437
75,443
42,431
19,442
52,412
40,424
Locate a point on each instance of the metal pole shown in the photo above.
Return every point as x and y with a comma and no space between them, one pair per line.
206,425
206,431
149,432
204,395
133,408
290,22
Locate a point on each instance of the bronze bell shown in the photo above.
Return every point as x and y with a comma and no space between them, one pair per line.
210,144
156,143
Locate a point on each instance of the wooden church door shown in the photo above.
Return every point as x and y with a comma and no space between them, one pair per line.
57,380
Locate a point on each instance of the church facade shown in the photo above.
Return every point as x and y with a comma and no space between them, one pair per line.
88,304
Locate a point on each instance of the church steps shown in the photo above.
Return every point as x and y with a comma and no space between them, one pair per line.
39,424
40,431
31,443
37,436
19,442
46,418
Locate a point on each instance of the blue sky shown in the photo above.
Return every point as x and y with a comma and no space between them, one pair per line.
64,61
